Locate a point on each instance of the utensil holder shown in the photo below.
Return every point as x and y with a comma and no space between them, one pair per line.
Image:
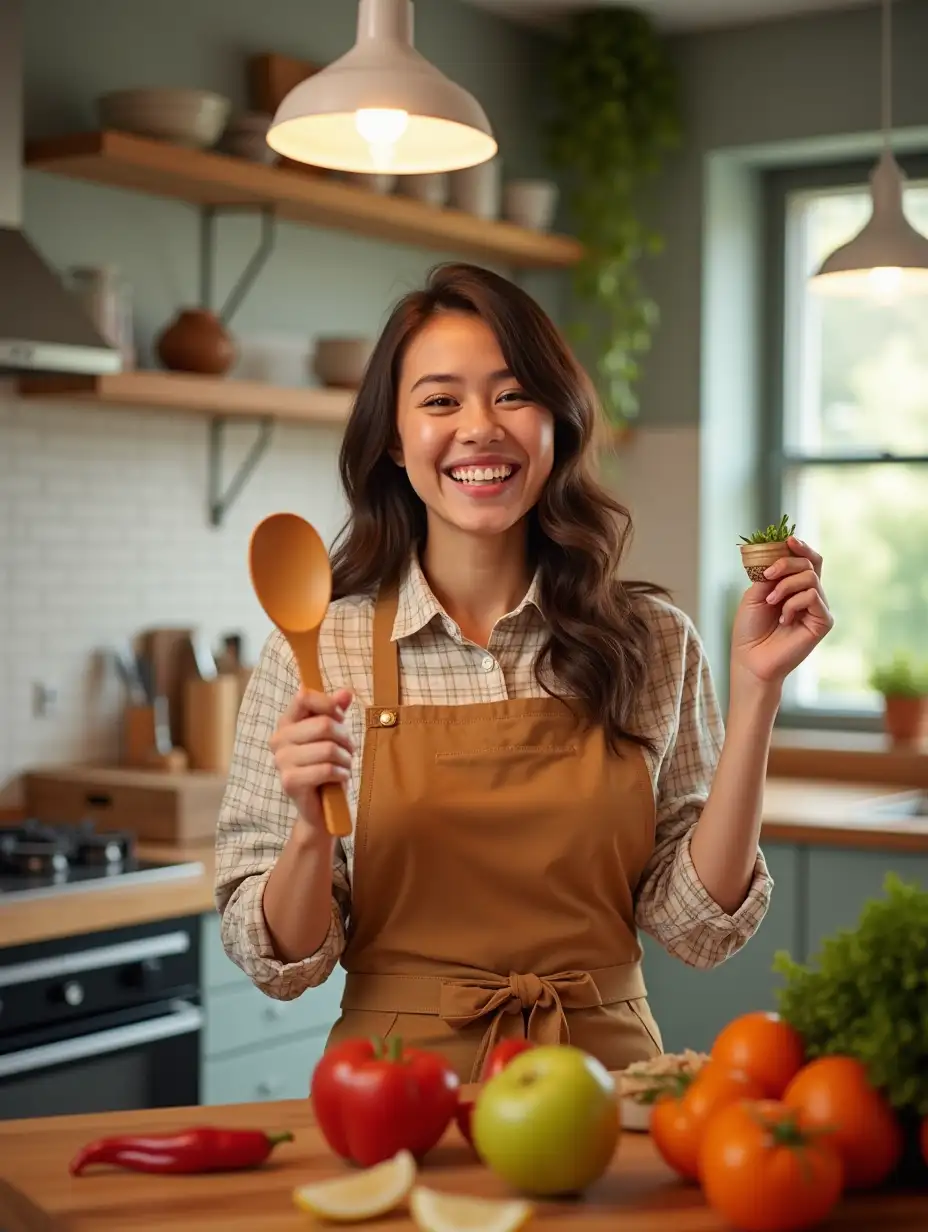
210,715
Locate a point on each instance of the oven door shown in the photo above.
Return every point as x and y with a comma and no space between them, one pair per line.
144,1057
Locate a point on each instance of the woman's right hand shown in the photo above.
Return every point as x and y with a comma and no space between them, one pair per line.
311,746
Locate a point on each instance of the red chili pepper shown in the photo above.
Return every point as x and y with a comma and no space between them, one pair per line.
194,1150
372,1099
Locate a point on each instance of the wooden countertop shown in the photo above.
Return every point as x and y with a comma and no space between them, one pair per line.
796,810
46,918
638,1194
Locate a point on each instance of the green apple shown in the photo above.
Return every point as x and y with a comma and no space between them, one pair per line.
548,1124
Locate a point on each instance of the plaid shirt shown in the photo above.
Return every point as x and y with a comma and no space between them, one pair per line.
439,667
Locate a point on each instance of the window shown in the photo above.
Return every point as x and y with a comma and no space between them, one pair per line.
847,439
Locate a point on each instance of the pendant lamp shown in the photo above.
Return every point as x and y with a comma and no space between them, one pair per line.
887,258
382,107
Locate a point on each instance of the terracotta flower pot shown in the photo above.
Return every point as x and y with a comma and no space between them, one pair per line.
756,557
197,341
905,718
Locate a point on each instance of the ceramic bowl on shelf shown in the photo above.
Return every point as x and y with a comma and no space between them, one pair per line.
531,203
193,118
339,363
245,137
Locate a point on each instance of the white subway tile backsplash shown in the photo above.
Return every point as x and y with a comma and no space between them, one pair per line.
103,532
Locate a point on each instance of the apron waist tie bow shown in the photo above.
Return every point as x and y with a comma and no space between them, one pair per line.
502,1002
497,1000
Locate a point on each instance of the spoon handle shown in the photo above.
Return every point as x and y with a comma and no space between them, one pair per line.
305,647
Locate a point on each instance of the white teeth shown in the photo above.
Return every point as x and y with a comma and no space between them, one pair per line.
481,474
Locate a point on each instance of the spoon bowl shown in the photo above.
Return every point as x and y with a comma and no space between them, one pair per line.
290,572
292,578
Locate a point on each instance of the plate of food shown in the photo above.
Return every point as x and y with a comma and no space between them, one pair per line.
644,1082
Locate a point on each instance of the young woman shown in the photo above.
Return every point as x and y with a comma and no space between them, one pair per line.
531,746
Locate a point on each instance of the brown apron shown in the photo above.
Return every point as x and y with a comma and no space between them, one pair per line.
497,850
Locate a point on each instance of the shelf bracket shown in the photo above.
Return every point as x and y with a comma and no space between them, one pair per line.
220,502
209,216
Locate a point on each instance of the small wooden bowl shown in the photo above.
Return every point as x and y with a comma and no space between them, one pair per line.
756,557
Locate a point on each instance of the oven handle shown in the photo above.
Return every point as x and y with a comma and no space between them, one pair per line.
183,1019
164,945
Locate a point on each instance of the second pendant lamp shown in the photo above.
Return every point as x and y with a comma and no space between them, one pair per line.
382,107
887,257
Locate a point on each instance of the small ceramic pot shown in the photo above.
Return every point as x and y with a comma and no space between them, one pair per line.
531,203
905,719
380,182
432,189
197,341
475,190
339,363
756,557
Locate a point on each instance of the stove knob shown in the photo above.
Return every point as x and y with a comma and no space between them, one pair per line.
71,993
143,974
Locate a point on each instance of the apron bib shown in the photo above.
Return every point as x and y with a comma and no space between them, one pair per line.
497,850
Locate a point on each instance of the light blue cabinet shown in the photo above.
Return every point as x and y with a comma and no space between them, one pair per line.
817,891
691,1006
840,882
253,1047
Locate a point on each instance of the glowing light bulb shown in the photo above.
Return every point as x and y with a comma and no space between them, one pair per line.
885,283
381,128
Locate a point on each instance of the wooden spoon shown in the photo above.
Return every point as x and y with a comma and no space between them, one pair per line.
292,578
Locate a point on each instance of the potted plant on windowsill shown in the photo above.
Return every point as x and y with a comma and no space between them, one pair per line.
903,685
763,547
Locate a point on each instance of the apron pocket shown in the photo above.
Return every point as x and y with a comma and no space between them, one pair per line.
503,751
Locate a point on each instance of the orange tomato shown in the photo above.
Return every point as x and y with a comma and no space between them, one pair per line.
834,1093
678,1121
763,1171
762,1046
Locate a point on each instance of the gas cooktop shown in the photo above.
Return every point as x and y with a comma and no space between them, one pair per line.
39,859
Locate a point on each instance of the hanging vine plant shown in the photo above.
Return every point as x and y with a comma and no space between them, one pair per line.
617,113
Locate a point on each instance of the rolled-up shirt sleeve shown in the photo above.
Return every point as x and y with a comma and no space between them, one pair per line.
672,904
255,820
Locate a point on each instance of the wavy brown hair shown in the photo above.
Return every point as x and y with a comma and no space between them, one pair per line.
599,642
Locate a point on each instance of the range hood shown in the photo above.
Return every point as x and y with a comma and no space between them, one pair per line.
43,327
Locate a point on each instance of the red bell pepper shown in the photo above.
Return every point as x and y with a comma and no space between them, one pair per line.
495,1063
372,1099
502,1054
201,1149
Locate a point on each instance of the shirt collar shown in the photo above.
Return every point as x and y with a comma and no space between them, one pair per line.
418,606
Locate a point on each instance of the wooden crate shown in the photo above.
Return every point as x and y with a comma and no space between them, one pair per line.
155,806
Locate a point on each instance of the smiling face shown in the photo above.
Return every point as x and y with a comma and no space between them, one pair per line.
476,449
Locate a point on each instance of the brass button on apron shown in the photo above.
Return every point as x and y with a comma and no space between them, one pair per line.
388,718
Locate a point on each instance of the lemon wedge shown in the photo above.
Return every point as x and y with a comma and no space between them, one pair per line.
362,1195
444,1212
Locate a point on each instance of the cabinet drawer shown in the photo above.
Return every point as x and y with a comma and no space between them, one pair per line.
243,1016
280,1072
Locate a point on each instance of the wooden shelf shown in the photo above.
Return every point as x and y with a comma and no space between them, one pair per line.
122,160
197,395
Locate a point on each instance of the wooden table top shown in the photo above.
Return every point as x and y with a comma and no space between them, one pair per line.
638,1194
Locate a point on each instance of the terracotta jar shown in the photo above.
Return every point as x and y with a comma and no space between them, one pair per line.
905,719
197,341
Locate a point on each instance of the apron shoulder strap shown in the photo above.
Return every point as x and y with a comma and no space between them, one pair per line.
386,655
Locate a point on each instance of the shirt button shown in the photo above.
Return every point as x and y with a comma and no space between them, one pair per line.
488,664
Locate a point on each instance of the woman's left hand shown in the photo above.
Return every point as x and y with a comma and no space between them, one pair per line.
780,621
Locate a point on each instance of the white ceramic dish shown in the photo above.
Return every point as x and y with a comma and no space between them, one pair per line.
339,363
636,1118
193,118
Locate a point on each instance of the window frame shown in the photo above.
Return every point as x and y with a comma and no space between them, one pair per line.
779,185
